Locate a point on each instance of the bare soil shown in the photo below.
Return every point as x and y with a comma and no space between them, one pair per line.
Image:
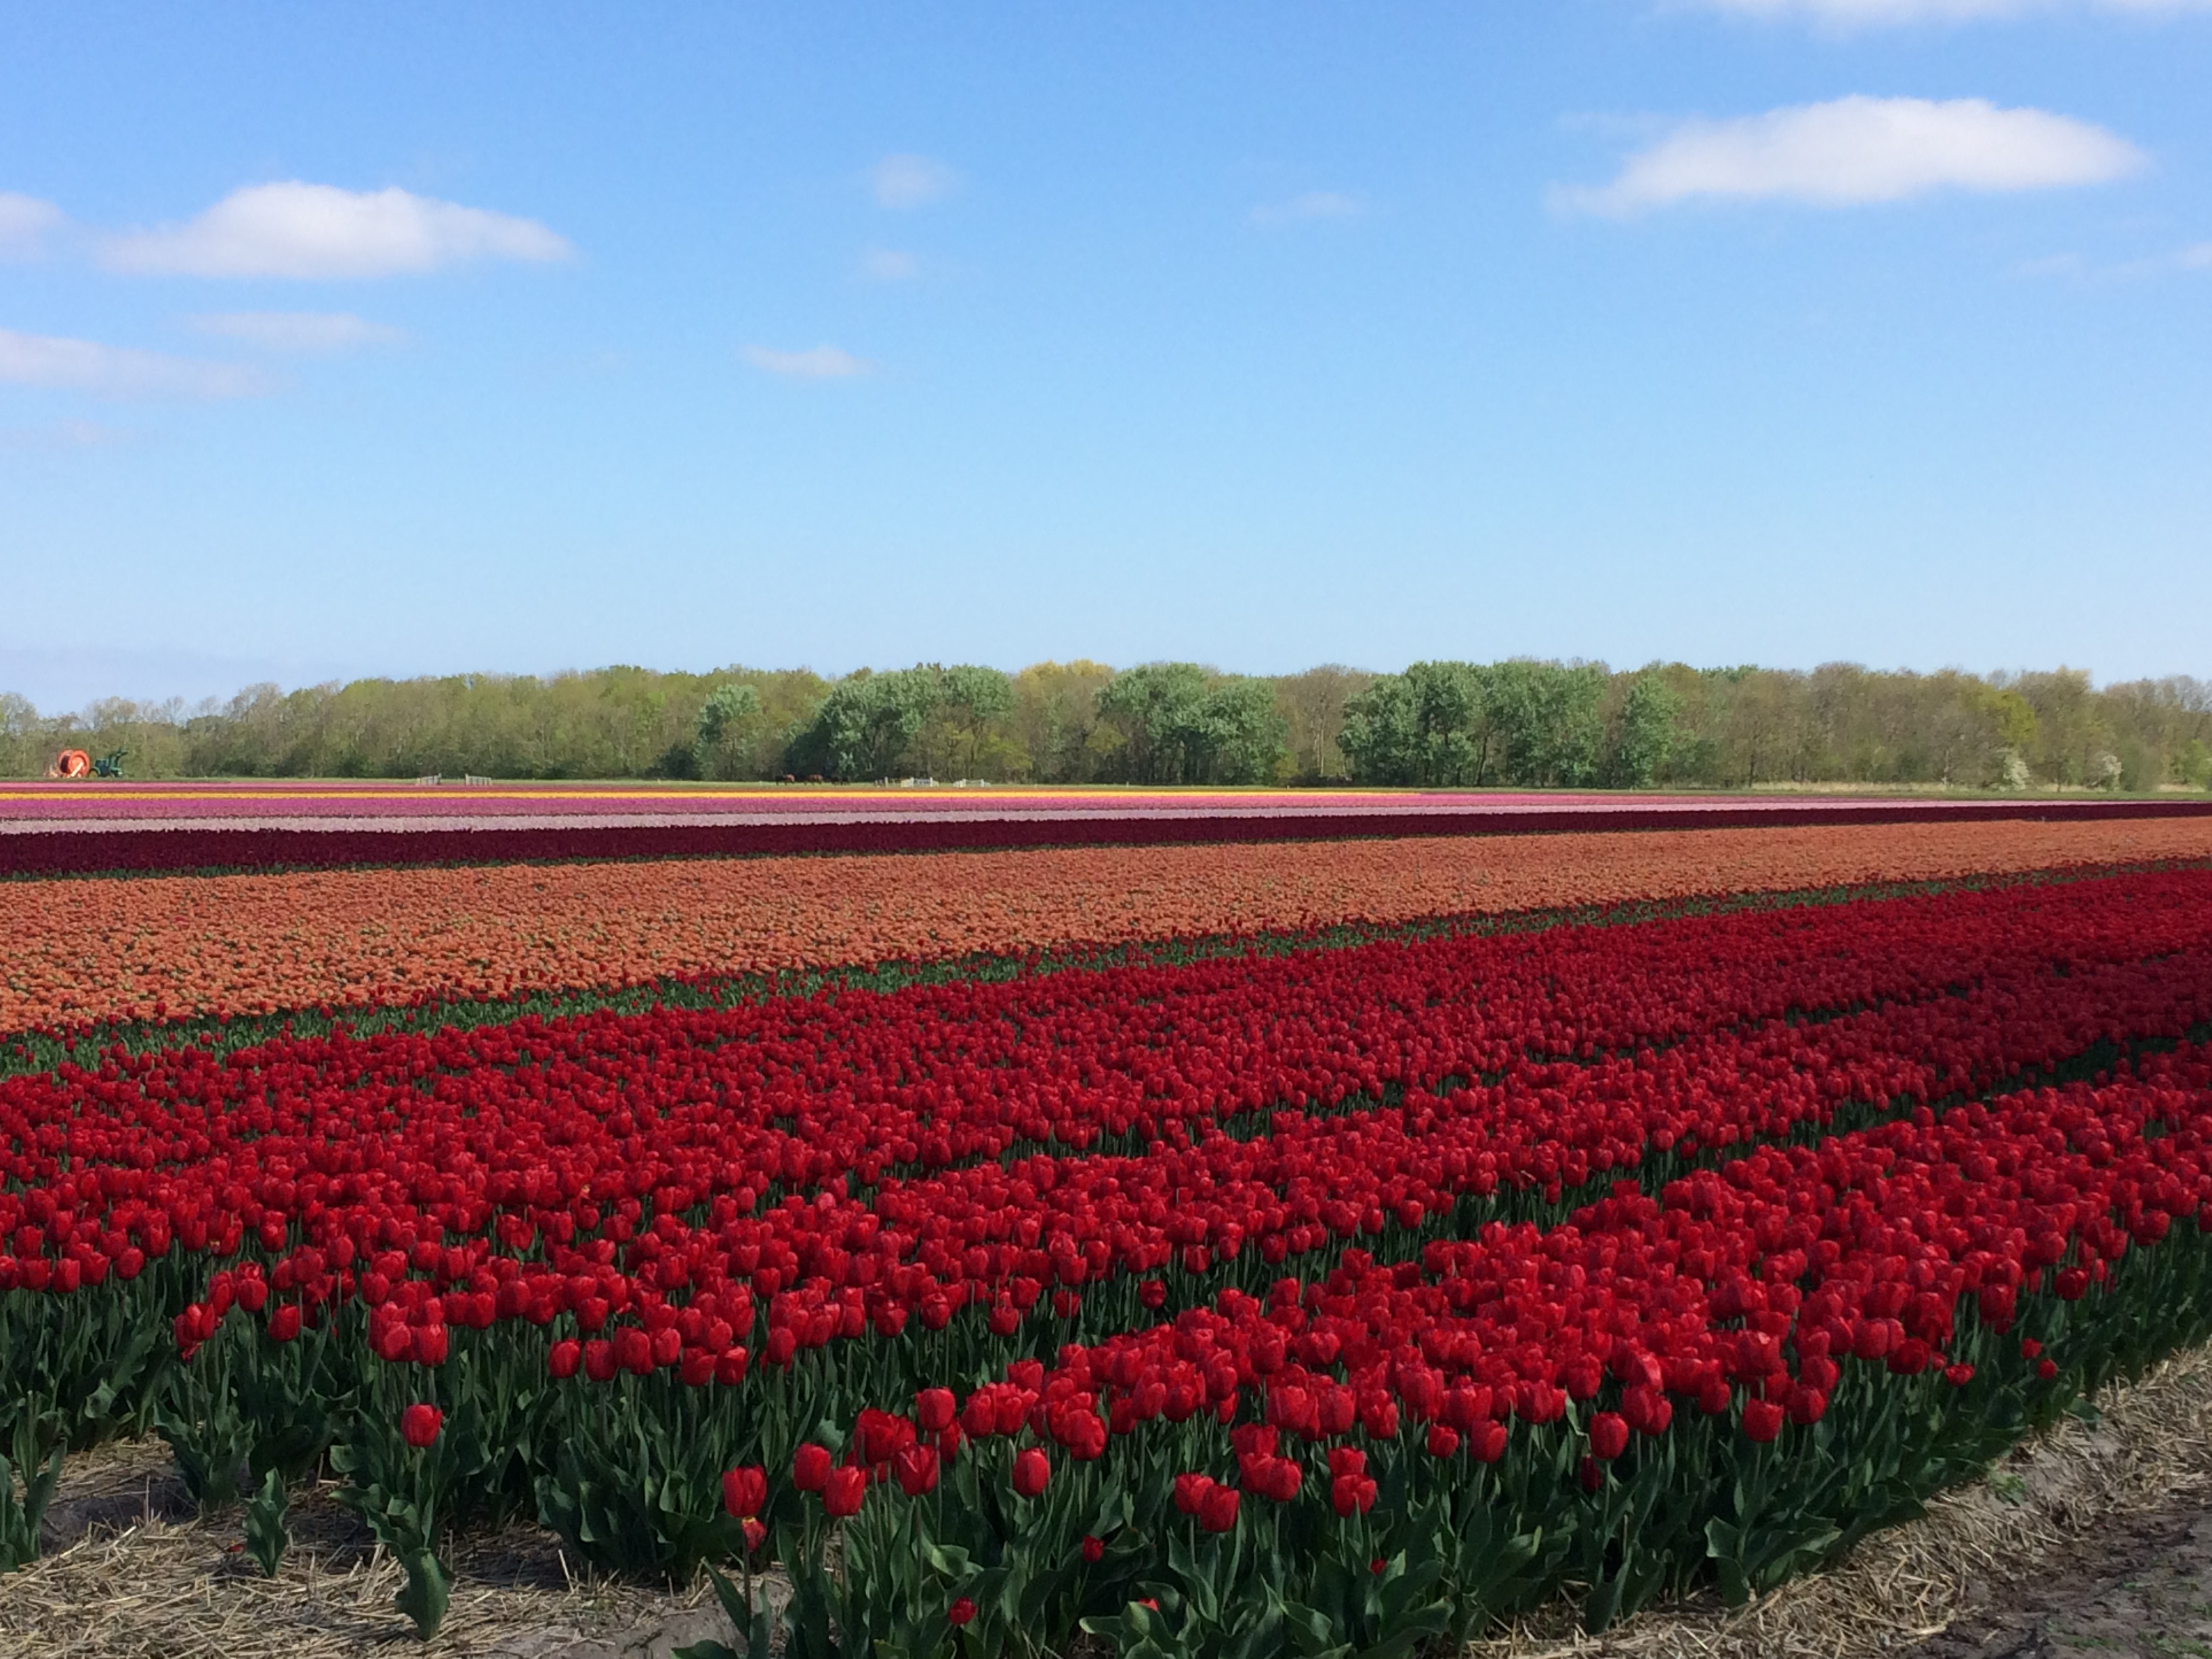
2142,1589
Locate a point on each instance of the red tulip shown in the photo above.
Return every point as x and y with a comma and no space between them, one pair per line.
1608,1436
744,1491
1762,1420
916,1469
960,1612
934,1409
1218,1513
1032,1469
419,1424
809,1468
843,1490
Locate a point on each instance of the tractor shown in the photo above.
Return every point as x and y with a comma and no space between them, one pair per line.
76,763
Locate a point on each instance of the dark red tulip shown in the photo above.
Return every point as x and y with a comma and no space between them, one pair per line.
419,1424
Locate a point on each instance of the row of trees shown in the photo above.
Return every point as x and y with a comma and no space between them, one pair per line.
1520,723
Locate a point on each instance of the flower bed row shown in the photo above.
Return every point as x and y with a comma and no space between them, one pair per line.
1732,1380
620,1255
150,947
906,1155
75,851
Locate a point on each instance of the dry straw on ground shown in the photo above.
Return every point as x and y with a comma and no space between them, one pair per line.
145,1580
2041,1508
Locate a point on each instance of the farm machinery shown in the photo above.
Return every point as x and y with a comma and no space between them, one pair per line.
76,763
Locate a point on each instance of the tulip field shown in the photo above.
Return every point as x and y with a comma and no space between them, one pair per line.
1331,1248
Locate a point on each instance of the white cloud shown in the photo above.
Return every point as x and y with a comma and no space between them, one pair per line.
65,435
25,221
911,181
1861,150
2073,266
822,362
885,264
301,230
1314,204
1871,14
106,371
307,333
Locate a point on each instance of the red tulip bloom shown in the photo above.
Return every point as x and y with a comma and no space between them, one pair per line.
809,1467
842,1492
1032,1469
744,1491
420,1423
1762,1420
1094,1548
1487,1442
284,1322
1608,1436
960,1612
934,1409
916,1469
1219,1512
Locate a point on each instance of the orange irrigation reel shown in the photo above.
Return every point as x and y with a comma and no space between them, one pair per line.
70,764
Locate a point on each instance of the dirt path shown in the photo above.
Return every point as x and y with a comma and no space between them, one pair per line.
2144,1591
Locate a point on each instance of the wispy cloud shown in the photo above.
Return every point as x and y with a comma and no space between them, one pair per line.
1848,15
1314,204
306,333
1858,150
2073,266
319,231
885,264
25,223
822,362
911,181
65,435
63,365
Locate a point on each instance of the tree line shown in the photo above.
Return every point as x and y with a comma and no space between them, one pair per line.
1520,723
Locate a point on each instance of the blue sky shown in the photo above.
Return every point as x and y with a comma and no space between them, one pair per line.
416,338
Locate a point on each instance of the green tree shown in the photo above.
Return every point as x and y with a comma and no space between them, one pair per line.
1182,723
867,726
1312,705
725,718
1053,731
1548,720
967,722
1643,735
1429,727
